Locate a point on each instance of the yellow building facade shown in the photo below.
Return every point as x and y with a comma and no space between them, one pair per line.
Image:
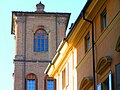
89,57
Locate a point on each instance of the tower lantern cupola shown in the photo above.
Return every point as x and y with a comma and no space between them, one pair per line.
40,7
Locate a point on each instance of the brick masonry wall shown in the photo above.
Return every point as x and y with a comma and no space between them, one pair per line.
32,24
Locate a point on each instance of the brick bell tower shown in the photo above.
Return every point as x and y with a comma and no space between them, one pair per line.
37,36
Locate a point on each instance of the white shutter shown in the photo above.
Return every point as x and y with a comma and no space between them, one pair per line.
110,80
99,86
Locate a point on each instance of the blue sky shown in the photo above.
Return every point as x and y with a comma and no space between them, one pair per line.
7,43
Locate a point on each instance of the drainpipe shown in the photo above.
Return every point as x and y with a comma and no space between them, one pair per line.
93,53
56,32
24,84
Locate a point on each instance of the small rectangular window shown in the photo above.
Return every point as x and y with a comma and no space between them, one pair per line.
99,86
87,42
118,76
40,41
106,84
110,80
67,74
31,84
64,78
103,19
50,83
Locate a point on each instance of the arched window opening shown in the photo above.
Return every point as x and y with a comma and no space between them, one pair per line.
50,83
40,41
31,81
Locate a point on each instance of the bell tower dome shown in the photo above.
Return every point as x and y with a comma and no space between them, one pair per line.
40,7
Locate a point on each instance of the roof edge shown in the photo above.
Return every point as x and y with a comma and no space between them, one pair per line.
23,13
79,17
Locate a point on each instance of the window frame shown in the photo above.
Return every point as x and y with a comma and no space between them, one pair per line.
99,86
46,82
117,47
87,42
117,70
64,83
29,85
103,17
31,76
109,82
40,41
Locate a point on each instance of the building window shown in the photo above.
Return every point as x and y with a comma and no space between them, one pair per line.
118,76
87,42
31,84
117,48
40,41
106,84
67,74
99,86
64,78
31,81
50,83
103,20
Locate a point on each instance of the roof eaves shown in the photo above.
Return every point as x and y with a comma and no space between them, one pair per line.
26,12
37,13
79,17
55,57
68,20
12,25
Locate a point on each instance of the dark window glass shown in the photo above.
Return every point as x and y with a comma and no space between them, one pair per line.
103,20
107,84
118,76
40,41
87,42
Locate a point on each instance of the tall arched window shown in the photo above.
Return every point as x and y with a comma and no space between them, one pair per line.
40,41
31,81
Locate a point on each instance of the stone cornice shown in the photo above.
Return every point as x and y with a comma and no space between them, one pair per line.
86,83
103,64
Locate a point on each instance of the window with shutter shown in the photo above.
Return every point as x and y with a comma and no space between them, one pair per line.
99,86
118,76
110,80
106,84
